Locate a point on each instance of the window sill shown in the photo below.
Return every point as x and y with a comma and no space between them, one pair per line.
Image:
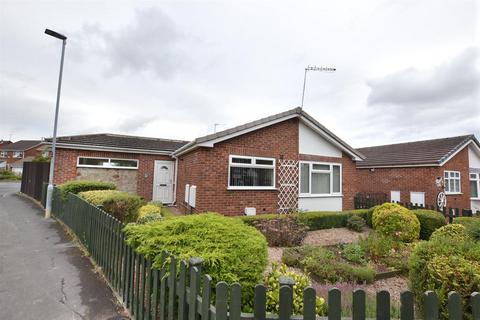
474,198
251,189
101,167
320,195
453,193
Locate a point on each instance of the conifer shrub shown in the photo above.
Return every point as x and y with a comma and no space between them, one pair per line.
430,221
232,251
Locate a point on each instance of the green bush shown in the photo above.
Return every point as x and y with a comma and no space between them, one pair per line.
356,223
122,205
301,283
393,220
253,220
150,208
354,252
78,186
324,266
9,175
232,251
430,221
443,265
472,226
149,218
324,220
369,217
453,232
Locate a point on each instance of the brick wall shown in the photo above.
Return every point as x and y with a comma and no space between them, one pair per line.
207,168
416,179
66,169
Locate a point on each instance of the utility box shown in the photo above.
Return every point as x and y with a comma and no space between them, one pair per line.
250,211
187,191
192,196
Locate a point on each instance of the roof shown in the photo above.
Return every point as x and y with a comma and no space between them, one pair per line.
21,145
19,162
118,143
417,153
211,139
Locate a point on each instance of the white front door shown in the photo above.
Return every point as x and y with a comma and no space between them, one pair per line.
163,181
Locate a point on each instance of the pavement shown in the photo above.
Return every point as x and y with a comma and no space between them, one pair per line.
42,274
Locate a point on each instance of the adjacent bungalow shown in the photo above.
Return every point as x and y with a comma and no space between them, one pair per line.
406,172
12,155
134,164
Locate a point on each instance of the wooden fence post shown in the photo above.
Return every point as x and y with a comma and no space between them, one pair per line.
334,304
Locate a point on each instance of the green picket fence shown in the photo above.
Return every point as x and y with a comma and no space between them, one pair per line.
180,291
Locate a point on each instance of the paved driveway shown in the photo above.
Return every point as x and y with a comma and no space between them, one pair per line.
42,275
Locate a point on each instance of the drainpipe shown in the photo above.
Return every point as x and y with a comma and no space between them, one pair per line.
176,180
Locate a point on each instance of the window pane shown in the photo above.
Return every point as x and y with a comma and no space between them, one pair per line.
474,189
123,163
321,167
457,174
264,162
251,177
93,162
336,179
446,174
304,178
447,185
457,185
473,175
241,160
320,183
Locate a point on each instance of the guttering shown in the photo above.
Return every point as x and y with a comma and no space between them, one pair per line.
176,181
400,166
110,149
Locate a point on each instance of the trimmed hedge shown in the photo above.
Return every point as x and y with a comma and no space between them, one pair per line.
77,186
430,221
232,251
472,226
122,205
451,232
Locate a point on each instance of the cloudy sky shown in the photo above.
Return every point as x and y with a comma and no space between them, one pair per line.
406,69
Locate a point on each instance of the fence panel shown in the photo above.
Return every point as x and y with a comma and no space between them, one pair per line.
151,293
34,175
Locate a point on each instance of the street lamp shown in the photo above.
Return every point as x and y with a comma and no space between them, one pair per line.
314,68
48,205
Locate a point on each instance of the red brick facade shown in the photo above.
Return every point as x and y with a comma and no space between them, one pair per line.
417,179
207,168
66,167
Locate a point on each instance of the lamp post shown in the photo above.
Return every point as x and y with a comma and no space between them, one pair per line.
48,204
313,68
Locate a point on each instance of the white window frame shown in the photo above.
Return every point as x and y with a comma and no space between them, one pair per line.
17,154
252,165
399,195
459,181
416,193
3,154
108,166
477,180
311,170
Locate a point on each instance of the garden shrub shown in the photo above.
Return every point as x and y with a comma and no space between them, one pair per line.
443,265
282,232
122,205
301,283
356,223
77,186
232,251
369,217
324,220
9,175
452,232
324,266
149,218
430,221
354,252
253,220
386,250
472,226
393,220
149,208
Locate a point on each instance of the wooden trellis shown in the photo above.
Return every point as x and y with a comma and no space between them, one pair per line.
288,182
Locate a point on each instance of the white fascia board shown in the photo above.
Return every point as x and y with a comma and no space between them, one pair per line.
401,166
460,149
109,149
329,138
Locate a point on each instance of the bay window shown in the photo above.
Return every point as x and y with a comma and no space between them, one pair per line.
246,173
317,179
475,185
452,182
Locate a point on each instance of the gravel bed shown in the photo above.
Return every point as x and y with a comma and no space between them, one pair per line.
328,237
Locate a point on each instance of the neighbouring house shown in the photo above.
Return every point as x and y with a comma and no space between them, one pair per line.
134,164
281,163
406,172
14,154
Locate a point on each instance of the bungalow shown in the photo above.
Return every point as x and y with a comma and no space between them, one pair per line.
407,172
276,164
281,163
14,154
